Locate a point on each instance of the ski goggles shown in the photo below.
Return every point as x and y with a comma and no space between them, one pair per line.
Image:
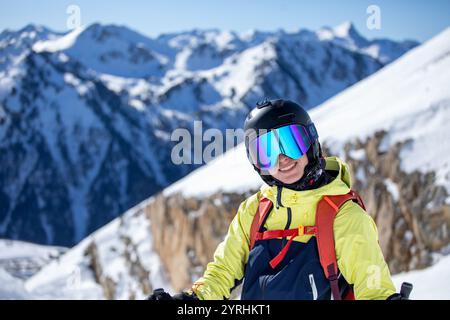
292,140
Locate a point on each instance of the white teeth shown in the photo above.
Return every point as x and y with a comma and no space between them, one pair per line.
288,168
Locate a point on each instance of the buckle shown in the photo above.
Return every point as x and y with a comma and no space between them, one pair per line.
301,230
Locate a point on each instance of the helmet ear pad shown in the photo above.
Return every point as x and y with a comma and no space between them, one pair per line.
314,152
316,162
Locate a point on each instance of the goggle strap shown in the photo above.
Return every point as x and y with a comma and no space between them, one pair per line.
312,132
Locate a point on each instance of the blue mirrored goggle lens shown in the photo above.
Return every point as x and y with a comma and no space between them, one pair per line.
292,141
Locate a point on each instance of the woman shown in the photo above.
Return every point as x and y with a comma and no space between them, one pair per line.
305,234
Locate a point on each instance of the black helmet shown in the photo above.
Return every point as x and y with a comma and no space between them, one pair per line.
272,114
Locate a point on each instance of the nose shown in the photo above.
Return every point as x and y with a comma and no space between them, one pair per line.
283,159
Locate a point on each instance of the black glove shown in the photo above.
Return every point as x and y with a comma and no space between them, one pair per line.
160,294
404,292
185,296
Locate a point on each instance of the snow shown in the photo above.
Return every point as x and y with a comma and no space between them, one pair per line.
112,50
344,35
343,29
429,284
359,154
227,173
347,36
137,104
116,84
393,189
8,78
239,75
58,44
71,277
12,288
22,259
67,278
360,174
19,261
414,92
10,249
223,40
82,89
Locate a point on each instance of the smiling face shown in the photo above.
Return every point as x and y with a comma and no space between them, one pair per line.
289,170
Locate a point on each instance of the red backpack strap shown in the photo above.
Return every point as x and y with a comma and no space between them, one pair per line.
327,209
264,207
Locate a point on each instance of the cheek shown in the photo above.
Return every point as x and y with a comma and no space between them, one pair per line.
303,161
301,164
274,171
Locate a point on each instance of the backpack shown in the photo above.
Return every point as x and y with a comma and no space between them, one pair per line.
327,209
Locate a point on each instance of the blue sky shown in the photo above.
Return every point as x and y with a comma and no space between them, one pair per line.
400,19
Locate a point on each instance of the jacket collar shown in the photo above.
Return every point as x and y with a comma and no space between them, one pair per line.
340,185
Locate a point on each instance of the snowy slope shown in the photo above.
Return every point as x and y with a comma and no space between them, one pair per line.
115,262
410,99
12,288
230,172
23,260
10,249
20,261
429,284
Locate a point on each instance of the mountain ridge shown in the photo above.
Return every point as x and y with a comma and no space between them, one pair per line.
86,116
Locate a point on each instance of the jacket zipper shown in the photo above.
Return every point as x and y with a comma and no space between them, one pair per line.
313,286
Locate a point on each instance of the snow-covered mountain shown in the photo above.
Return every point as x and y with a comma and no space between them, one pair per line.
113,50
22,260
347,36
15,45
385,127
86,116
18,262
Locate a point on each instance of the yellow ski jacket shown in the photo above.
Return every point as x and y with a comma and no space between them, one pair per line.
358,253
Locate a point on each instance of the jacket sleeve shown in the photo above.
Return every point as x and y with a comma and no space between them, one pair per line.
359,255
230,258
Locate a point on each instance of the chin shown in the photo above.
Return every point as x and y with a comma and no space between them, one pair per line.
289,180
